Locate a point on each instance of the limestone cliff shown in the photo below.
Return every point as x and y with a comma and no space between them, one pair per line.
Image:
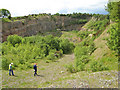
28,27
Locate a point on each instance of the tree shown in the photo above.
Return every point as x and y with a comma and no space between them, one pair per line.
114,11
5,13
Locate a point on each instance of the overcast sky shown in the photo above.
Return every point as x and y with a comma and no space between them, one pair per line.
26,7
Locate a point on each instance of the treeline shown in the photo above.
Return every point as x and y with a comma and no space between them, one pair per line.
25,51
6,17
114,40
81,21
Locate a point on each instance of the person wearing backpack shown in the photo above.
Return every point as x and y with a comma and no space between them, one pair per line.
11,69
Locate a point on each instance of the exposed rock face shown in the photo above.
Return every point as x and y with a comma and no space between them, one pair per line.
30,27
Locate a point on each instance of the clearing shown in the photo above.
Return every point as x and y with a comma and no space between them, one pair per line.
54,75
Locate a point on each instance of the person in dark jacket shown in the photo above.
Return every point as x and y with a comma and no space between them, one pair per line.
35,69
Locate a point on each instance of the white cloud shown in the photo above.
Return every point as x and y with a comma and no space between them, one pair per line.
25,7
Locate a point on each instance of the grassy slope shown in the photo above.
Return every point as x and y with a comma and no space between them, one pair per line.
104,53
51,75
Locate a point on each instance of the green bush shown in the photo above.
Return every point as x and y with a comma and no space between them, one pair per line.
113,41
85,59
66,46
29,49
16,62
98,66
83,34
6,20
92,48
28,64
81,21
82,53
79,51
81,62
71,68
59,53
98,24
5,63
52,42
81,57
81,67
51,55
14,39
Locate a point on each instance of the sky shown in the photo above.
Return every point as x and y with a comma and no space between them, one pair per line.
26,7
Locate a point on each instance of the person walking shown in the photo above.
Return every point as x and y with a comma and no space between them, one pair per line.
35,69
11,69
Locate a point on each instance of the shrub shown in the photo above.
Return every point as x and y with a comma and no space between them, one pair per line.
15,63
81,67
59,53
71,68
28,65
79,51
23,51
14,39
83,34
5,63
84,59
51,55
6,20
98,66
113,42
52,42
66,46
81,57
81,61
92,48
82,53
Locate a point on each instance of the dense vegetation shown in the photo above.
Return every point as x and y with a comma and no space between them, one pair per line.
113,41
83,59
95,26
82,16
5,13
81,21
114,11
25,51
98,24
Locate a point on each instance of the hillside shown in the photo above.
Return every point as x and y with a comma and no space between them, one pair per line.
56,74
78,50
103,52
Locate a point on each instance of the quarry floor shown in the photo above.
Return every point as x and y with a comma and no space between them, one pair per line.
55,75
